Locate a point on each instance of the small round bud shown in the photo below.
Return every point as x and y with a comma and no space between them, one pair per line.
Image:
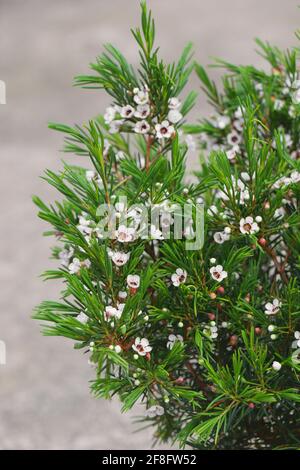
257,330
213,295
92,343
273,337
180,324
137,382
185,191
224,324
118,349
148,356
267,205
166,399
251,406
146,318
212,323
211,316
276,365
212,260
134,375
262,242
135,356
111,346
271,328
179,381
221,290
233,340
258,219
227,230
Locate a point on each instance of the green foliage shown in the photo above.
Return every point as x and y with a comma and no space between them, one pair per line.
206,338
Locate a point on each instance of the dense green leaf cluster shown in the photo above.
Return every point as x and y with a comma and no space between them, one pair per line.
206,338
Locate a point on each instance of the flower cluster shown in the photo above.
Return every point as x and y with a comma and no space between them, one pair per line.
140,116
207,338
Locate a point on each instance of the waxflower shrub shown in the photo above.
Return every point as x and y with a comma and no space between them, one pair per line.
197,327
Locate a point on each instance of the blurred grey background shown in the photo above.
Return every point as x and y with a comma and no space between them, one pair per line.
44,394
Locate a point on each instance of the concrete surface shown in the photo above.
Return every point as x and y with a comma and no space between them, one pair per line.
44,395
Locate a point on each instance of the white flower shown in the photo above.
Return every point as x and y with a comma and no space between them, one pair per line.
238,124
155,410
141,346
174,116
222,121
65,255
127,111
86,263
278,104
239,111
115,126
179,277
174,103
142,127
141,96
212,210
109,114
248,225
110,312
212,330
120,258
221,237
245,176
172,340
155,233
233,138
84,225
133,280
279,213
296,356
142,111
82,318
75,266
166,219
212,260
272,308
295,177
276,365
164,130
122,294
217,273
231,153
296,343
125,234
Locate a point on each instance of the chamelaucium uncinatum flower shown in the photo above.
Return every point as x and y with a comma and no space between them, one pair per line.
203,340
